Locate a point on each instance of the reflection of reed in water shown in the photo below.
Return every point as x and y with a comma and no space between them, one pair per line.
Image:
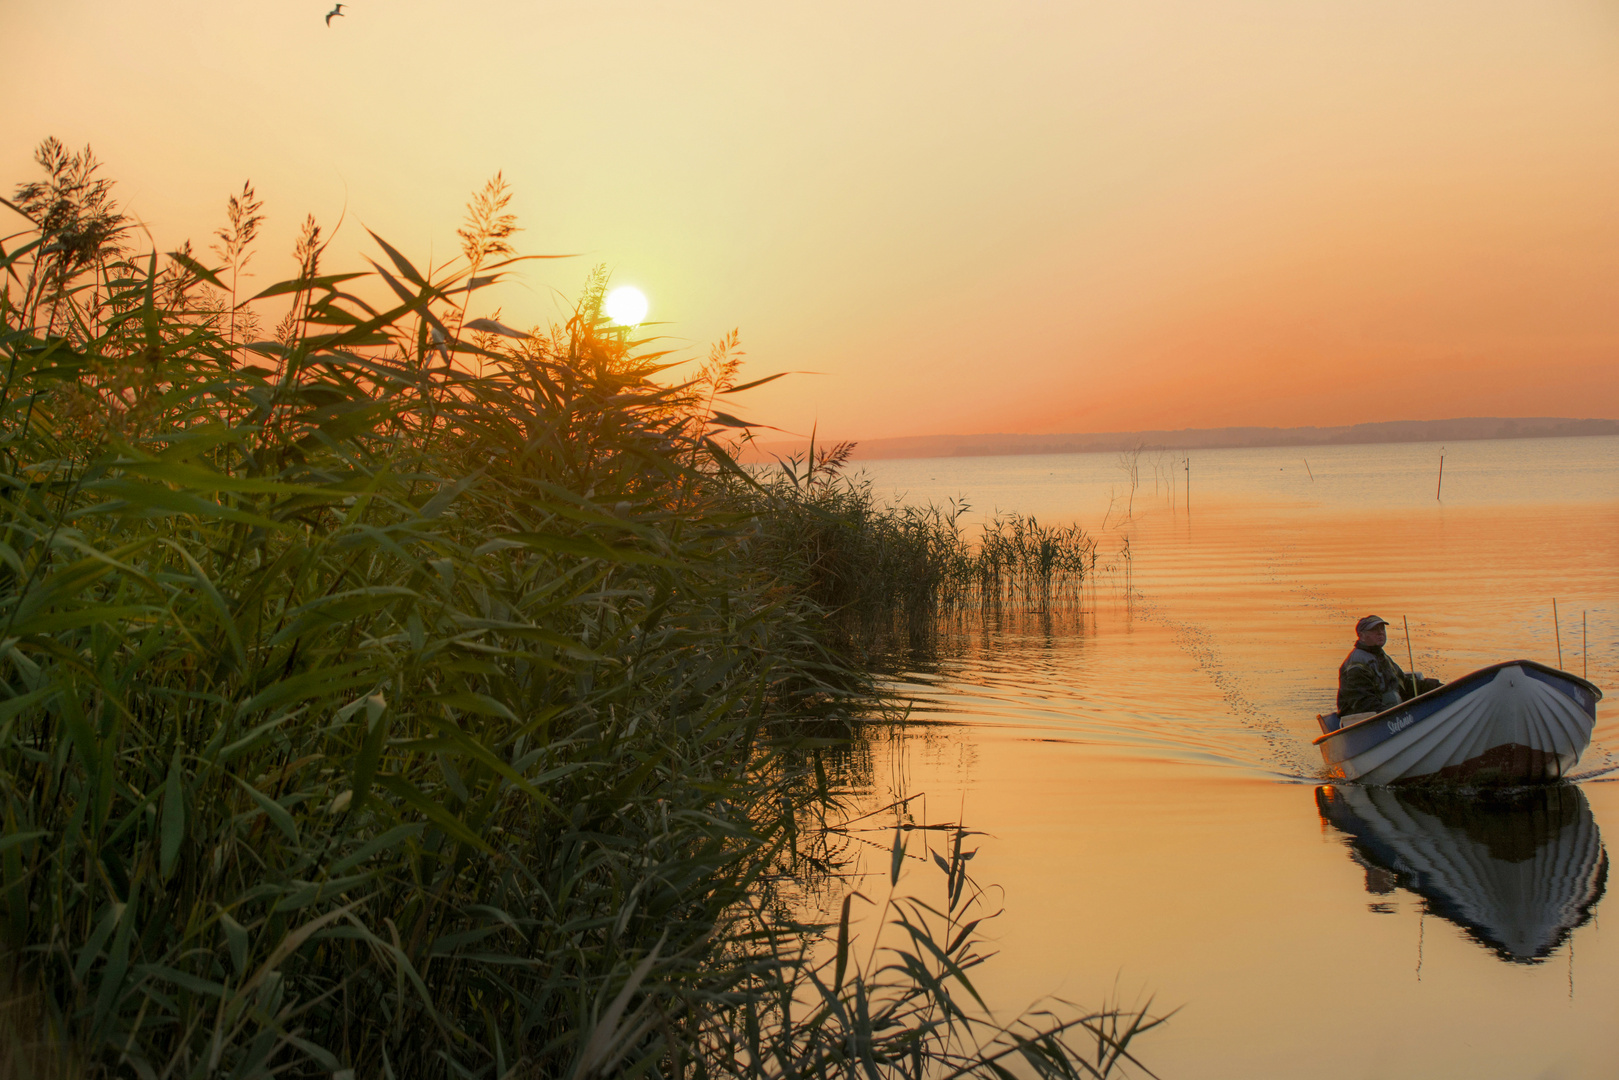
1517,871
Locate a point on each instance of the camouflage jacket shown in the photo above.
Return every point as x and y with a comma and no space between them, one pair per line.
1369,681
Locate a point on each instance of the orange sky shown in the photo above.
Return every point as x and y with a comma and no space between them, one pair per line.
966,217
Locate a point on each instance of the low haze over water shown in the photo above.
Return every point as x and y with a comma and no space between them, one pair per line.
1144,774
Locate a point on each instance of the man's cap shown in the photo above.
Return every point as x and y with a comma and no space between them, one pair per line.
1370,622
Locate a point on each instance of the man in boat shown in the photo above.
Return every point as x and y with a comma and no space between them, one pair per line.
1369,680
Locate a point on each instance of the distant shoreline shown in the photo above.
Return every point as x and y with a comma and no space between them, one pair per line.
1461,429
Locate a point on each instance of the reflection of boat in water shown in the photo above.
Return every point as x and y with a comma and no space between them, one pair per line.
1515,723
1517,872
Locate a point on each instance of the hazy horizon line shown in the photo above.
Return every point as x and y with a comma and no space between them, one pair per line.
1454,429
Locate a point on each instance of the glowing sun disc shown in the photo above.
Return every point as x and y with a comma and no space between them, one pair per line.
626,306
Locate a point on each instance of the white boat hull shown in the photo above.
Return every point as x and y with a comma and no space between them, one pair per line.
1514,723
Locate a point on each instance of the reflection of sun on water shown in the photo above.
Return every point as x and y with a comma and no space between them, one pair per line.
626,306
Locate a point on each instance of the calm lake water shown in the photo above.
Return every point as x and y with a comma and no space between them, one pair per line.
1145,780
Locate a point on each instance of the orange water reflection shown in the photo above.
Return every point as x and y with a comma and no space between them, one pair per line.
1145,775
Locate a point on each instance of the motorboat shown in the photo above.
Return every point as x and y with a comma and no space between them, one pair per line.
1518,873
1518,722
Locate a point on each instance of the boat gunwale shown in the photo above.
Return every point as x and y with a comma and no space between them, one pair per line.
1429,694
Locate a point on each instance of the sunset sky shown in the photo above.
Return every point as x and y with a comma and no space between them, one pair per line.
962,217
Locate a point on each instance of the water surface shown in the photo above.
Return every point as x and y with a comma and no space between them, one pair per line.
1144,773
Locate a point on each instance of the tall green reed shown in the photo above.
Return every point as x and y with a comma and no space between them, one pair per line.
401,696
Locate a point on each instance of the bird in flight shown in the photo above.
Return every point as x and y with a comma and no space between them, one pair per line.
338,10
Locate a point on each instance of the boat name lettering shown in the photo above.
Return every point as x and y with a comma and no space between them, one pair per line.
1401,722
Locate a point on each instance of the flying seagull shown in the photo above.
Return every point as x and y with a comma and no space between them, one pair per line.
338,10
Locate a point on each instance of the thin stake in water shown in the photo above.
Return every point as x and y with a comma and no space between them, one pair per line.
1309,470
1411,671
1441,485
1559,632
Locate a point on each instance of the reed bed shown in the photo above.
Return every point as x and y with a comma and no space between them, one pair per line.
401,695
887,573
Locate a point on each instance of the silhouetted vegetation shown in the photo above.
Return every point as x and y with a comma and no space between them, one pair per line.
403,695
887,575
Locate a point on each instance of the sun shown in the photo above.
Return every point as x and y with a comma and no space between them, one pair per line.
626,306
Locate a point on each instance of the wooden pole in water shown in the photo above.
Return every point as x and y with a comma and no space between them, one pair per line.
1188,481
1558,630
1309,470
1410,672
1441,486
